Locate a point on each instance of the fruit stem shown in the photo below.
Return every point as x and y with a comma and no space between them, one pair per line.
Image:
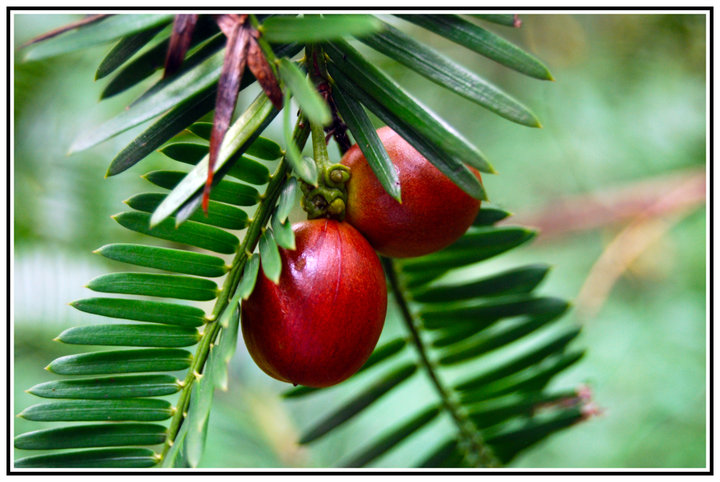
476,451
320,152
317,68
213,328
329,198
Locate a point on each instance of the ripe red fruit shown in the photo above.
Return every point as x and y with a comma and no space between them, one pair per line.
433,214
320,323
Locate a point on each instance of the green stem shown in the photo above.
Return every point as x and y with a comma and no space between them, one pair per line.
320,153
477,453
317,68
212,328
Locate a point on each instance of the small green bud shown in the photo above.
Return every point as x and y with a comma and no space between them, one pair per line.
336,176
337,207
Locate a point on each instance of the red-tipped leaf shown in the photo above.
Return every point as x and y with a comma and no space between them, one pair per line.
228,85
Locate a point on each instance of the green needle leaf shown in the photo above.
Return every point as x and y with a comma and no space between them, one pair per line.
242,168
131,335
440,457
247,283
199,413
367,139
482,41
312,105
270,257
185,152
491,341
388,93
532,379
247,170
190,232
202,130
439,69
224,191
359,402
262,148
384,352
307,171
316,28
391,439
226,347
435,140
153,59
172,123
190,64
289,198
506,19
498,410
143,409
167,259
489,216
151,284
175,457
122,361
123,50
514,281
178,89
132,386
555,345
106,30
478,244
507,444
97,435
101,458
181,114
283,233
143,310
219,214
484,313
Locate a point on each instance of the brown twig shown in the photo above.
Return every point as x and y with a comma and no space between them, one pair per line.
54,33
676,199
648,198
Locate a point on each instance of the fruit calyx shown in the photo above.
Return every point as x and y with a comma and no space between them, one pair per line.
329,198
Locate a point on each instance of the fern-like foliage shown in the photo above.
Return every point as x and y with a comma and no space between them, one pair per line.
148,403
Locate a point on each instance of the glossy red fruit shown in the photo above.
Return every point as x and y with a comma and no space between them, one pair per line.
320,323
433,214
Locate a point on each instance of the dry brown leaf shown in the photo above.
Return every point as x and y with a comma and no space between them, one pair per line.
227,93
183,27
263,72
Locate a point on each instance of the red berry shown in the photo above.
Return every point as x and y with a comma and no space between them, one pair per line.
433,214
320,323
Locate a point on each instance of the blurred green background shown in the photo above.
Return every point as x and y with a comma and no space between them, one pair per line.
628,106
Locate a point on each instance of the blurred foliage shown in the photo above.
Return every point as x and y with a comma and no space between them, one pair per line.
628,103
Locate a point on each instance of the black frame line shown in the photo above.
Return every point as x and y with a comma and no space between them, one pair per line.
418,472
